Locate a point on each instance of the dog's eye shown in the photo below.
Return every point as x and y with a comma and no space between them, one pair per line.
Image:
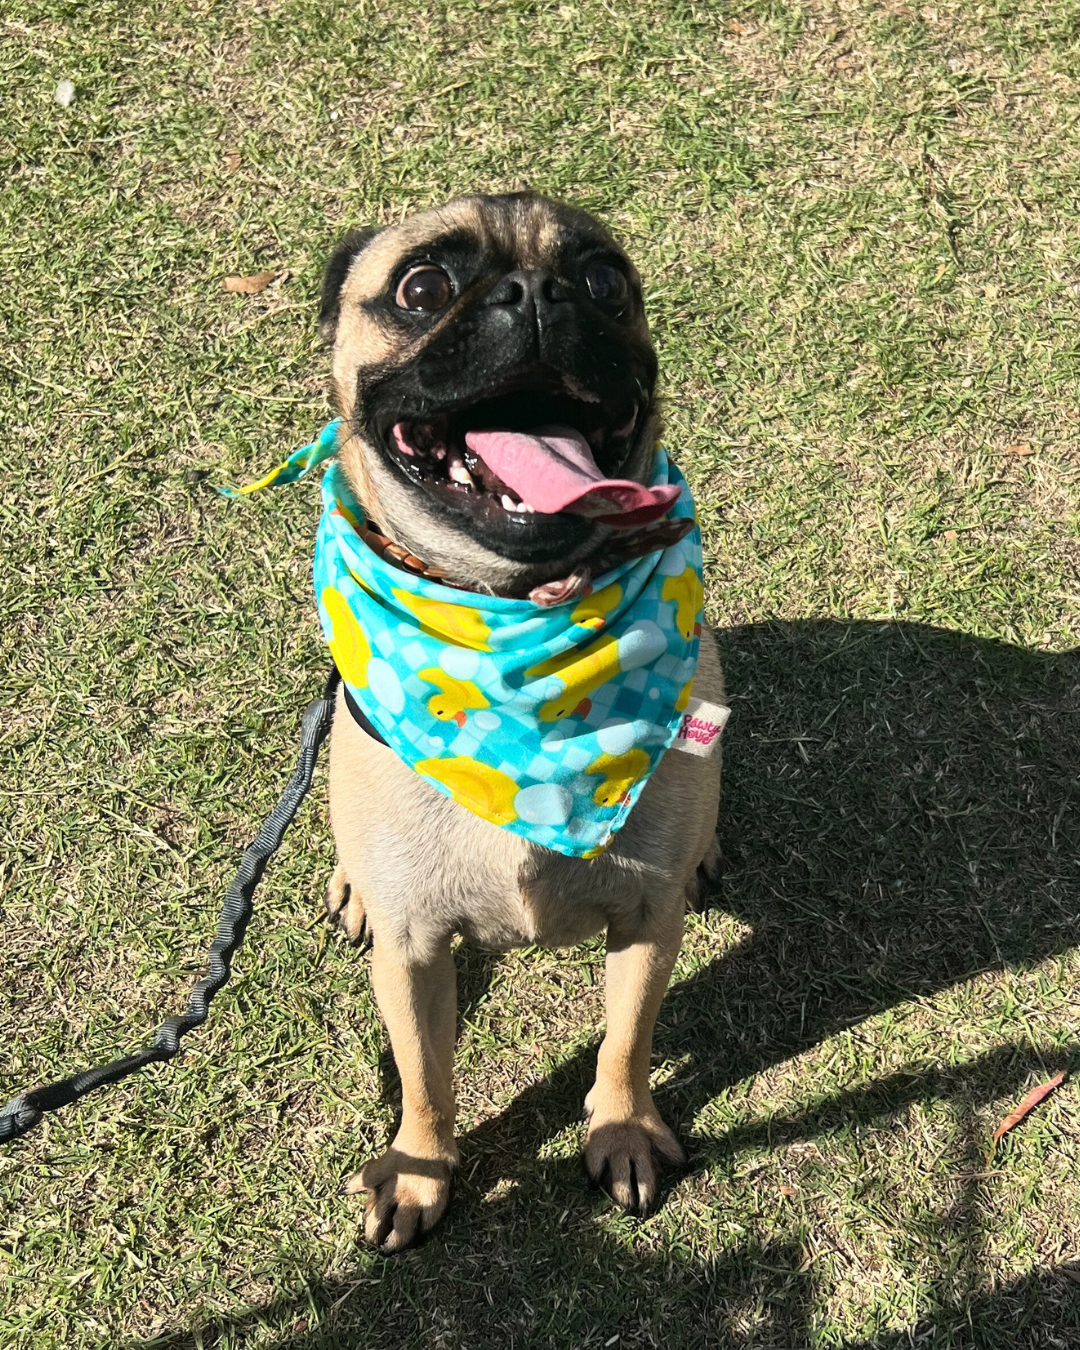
605,282
425,287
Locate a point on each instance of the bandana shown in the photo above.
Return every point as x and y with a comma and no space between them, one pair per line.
546,721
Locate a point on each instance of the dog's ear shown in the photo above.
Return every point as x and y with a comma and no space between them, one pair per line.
337,269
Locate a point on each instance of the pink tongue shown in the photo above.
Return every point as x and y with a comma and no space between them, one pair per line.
552,469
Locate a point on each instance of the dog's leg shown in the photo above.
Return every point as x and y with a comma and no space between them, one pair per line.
626,1136
708,874
408,1187
345,906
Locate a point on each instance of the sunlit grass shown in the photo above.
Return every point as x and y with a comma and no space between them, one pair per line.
858,225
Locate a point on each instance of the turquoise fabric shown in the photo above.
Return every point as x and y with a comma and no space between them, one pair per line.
544,721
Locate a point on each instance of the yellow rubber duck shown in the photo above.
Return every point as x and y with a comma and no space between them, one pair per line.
592,611
620,772
581,672
486,791
457,624
454,696
687,592
348,646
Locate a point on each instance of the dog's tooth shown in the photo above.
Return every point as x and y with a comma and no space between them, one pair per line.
526,507
509,504
460,474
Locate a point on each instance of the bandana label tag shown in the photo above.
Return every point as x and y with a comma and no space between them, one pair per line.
699,731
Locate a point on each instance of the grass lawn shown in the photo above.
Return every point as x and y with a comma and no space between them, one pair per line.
860,227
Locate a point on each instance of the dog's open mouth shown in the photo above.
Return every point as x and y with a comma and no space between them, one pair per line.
529,453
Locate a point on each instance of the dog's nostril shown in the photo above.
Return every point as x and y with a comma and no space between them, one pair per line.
536,286
509,291
554,291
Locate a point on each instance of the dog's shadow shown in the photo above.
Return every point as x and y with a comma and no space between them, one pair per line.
900,813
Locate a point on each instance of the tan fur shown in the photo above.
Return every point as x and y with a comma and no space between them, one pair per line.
416,869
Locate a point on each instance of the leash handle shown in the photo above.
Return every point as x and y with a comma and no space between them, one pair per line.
25,1110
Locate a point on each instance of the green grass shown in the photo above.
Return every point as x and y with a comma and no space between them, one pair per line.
860,229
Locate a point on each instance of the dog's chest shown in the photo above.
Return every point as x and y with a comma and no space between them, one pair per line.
498,890
547,900
426,867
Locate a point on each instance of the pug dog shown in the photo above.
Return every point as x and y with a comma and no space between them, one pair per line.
487,315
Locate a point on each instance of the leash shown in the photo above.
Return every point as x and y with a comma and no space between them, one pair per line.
24,1111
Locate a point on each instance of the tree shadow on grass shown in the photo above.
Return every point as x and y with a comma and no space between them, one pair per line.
900,813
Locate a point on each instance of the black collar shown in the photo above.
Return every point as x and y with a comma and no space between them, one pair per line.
359,716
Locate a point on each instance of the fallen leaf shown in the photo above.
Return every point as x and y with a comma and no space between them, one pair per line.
1019,450
991,292
1030,1102
950,535
233,160
788,1191
249,285
942,269
803,1150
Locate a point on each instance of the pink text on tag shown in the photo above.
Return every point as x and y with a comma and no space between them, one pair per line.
699,731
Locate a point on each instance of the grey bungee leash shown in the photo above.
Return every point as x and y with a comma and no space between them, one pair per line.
26,1109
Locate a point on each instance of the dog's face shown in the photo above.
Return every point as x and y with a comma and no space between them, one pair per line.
493,366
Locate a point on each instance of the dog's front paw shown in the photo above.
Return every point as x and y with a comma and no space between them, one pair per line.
345,907
624,1156
406,1197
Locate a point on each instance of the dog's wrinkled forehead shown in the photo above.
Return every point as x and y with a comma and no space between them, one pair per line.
498,235
521,231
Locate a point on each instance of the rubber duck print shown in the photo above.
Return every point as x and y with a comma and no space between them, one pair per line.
348,645
687,592
346,513
454,696
592,610
486,791
620,772
583,670
459,625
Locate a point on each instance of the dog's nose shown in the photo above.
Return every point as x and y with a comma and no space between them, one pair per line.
536,290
